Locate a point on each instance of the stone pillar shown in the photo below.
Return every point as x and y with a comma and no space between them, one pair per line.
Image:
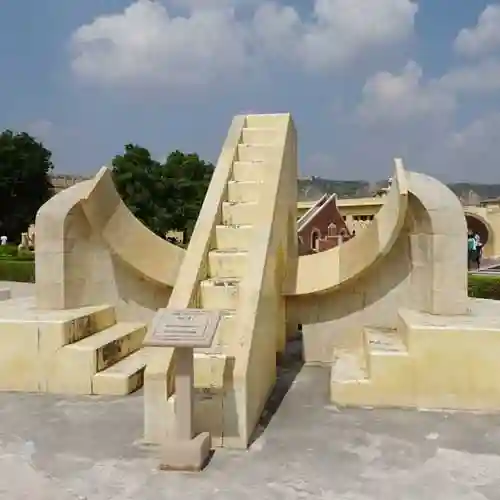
184,403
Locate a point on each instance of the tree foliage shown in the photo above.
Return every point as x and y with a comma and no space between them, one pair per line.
165,195
25,185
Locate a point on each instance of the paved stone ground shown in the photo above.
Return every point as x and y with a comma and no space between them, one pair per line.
18,289
54,448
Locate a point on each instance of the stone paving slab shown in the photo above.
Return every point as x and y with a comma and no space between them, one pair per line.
60,448
19,289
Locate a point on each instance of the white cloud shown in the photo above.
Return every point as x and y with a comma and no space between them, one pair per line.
473,151
147,44
340,30
277,30
343,29
404,96
478,78
189,5
407,95
480,136
482,38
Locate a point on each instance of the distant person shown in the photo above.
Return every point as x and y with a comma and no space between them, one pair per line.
471,250
479,250
3,240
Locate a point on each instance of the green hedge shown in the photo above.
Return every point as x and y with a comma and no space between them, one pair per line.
8,251
11,252
17,270
484,287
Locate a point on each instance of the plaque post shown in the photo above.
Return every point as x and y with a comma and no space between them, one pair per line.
184,330
184,401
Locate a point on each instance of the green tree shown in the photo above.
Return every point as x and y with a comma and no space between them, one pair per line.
162,195
25,185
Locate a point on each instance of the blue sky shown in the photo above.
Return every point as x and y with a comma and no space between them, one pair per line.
365,80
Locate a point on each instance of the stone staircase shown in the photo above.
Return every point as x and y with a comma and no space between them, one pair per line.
228,258
227,266
428,361
378,374
97,355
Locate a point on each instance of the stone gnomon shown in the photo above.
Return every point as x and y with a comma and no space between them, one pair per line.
388,310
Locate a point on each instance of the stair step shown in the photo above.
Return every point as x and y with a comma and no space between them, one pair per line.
248,170
349,366
349,382
250,152
264,120
225,331
56,333
76,364
122,378
209,371
238,213
111,344
230,263
238,237
243,191
219,293
378,378
384,341
389,367
260,135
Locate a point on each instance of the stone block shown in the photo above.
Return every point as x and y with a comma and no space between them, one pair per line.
19,362
190,456
233,237
75,365
238,213
227,263
243,191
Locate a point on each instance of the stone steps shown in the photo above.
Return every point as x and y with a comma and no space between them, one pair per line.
378,375
227,263
123,377
76,364
227,268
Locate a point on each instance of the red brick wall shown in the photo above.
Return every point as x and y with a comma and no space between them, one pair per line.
329,213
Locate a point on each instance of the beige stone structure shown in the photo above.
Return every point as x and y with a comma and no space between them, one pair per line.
100,277
28,239
91,250
388,310
484,217
236,262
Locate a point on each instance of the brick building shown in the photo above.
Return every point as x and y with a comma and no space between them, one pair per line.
322,227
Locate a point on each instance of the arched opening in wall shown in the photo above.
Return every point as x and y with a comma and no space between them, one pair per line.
332,230
476,225
315,235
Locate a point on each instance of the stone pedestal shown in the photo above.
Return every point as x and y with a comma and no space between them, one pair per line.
186,455
184,330
185,452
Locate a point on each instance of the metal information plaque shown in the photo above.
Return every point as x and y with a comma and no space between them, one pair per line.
183,328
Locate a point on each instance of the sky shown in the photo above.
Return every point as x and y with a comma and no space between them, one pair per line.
365,80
